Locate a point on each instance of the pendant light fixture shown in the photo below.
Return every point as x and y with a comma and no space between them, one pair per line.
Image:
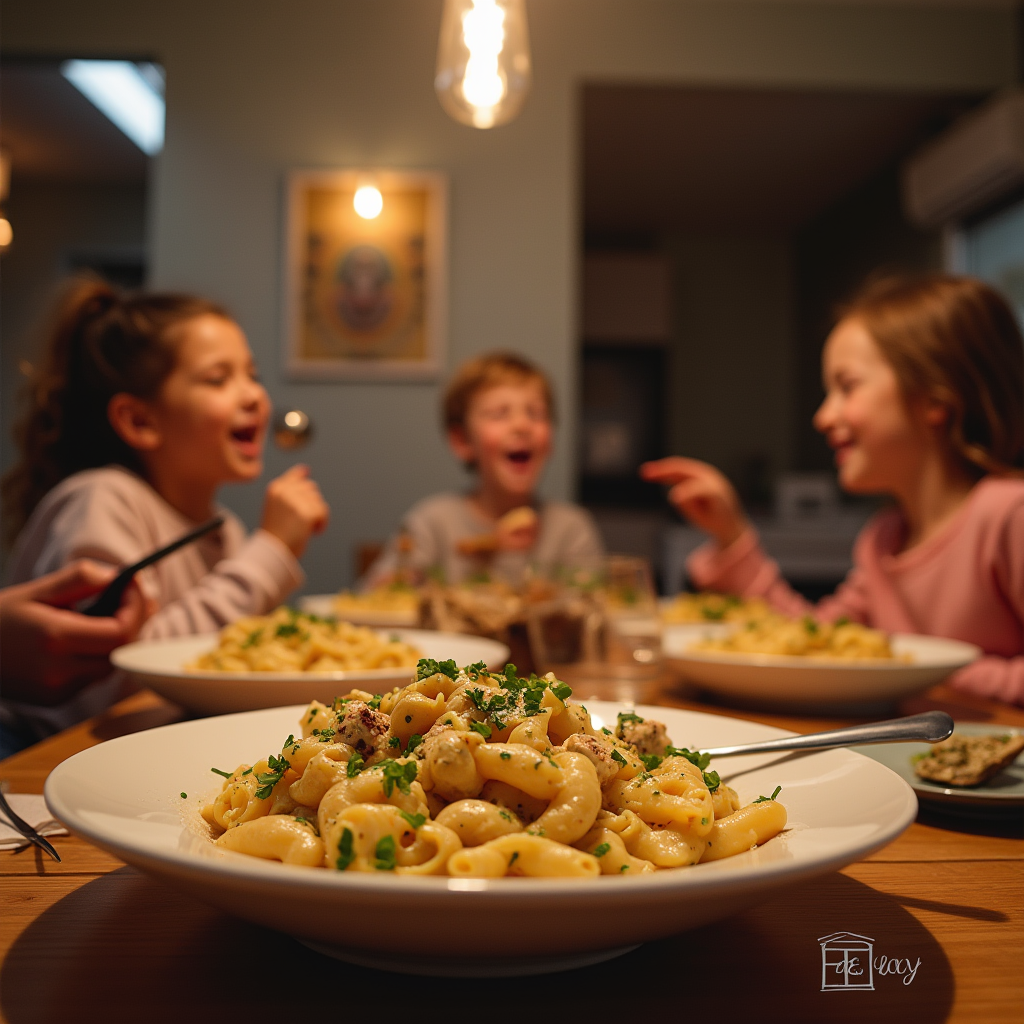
483,61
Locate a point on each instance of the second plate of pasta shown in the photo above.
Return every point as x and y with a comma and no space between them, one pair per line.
204,673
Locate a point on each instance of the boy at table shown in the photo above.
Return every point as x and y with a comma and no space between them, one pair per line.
498,415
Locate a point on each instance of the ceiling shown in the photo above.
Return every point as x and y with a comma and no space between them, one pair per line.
52,131
659,159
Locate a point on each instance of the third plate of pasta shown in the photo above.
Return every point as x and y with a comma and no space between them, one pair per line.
774,660
473,822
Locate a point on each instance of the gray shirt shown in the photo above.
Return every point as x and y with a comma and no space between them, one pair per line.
567,537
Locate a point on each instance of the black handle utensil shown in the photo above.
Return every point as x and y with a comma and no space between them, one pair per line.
109,599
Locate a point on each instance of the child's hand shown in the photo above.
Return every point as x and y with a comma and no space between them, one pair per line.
294,509
50,651
702,494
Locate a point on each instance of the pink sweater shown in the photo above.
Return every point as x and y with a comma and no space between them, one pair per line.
966,582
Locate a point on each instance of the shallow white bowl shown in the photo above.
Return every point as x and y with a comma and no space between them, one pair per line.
323,605
124,796
778,679
160,665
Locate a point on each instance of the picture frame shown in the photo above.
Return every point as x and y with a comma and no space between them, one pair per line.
365,276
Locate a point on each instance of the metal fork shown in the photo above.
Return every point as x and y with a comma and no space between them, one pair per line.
20,825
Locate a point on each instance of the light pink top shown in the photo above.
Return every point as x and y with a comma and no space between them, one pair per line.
111,515
965,582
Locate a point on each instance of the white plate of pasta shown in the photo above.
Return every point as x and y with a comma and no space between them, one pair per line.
862,669
543,834
184,669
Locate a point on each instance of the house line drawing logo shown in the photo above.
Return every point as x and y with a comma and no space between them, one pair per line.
846,962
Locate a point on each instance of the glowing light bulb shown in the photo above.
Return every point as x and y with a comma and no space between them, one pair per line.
368,202
483,61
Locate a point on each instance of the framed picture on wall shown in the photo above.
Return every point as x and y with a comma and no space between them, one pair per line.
365,275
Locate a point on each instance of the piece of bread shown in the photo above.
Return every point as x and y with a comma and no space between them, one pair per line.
969,760
522,518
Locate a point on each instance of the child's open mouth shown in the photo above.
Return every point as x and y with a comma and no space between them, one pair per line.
520,457
247,440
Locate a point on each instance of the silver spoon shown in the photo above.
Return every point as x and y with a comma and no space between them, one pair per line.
931,727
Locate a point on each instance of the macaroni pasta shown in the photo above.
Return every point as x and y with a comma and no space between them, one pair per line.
806,637
470,773
291,641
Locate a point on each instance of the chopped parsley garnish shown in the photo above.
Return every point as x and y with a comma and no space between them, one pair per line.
628,716
513,858
810,625
476,670
414,820
385,854
277,766
414,741
699,760
842,621
616,756
217,771
606,731
324,735
394,742
651,761
345,852
765,799
561,690
397,774
505,815
355,765
695,757
625,867
286,629
248,771
427,667
481,727
375,703
600,851
505,756
253,638
184,796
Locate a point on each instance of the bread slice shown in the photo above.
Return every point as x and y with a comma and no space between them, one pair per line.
969,760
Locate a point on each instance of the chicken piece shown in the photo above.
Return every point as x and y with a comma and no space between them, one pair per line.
449,759
649,737
599,754
363,728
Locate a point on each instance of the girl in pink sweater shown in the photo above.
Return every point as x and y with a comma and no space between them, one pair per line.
924,402
142,407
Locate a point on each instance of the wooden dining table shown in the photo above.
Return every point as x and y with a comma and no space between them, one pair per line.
91,938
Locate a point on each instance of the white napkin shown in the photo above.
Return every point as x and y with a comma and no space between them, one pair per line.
31,807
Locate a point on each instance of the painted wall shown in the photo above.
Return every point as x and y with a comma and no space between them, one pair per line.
259,86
